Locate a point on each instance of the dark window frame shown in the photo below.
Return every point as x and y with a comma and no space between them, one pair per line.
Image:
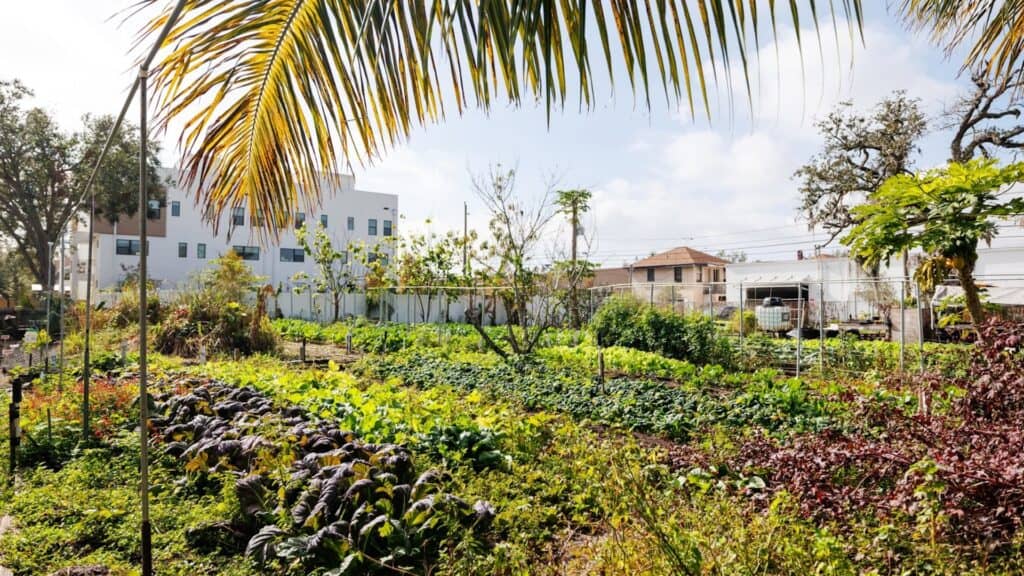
182,249
175,209
201,251
650,274
248,253
153,210
292,255
371,227
388,230
238,216
323,220
677,273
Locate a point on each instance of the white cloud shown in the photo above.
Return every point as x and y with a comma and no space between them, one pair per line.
731,187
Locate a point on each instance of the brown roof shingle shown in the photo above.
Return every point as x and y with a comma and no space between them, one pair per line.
677,257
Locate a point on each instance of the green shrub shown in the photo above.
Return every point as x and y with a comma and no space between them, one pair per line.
625,321
126,311
217,315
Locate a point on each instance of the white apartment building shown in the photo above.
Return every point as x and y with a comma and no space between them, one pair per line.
182,242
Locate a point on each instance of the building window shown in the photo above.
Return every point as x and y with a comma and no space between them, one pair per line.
700,274
238,216
714,275
650,274
677,273
201,251
247,252
344,257
292,255
300,219
371,227
323,220
351,224
126,247
182,249
257,218
387,227
175,208
153,210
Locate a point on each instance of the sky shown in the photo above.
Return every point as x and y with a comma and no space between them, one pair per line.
659,177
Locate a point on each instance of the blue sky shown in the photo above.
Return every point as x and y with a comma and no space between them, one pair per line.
659,178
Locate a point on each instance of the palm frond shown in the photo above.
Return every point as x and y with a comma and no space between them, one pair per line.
276,94
991,30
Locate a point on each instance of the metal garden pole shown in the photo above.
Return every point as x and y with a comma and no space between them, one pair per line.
742,319
903,324
60,325
821,327
799,325
49,299
86,365
147,545
921,330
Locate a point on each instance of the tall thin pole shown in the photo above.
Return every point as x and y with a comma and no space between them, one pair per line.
465,239
920,328
60,314
799,325
147,545
573,296
49,300
903,323
86,365
821,326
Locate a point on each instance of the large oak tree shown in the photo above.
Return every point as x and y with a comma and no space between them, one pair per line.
43,171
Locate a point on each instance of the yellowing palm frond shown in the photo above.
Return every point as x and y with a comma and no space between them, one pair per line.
993,30
277,93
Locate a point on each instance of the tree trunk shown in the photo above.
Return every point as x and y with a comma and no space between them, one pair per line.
337,305
972,296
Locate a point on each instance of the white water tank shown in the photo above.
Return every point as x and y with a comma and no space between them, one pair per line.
773,316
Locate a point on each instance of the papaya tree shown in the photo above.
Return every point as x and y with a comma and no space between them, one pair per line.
946,212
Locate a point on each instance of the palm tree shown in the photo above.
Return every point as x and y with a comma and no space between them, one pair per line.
276,93
992,31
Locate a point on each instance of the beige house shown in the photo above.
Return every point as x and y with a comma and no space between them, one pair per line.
685,278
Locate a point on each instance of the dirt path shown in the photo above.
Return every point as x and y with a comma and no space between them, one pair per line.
323,352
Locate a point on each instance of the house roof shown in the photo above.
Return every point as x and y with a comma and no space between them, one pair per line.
679,256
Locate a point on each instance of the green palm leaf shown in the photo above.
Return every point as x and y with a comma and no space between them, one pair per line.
991,30
276,94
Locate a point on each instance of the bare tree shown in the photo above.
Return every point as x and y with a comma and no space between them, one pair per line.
860,152
979,118
516,229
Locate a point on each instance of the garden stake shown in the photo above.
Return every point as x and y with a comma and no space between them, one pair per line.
302,350
348,342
